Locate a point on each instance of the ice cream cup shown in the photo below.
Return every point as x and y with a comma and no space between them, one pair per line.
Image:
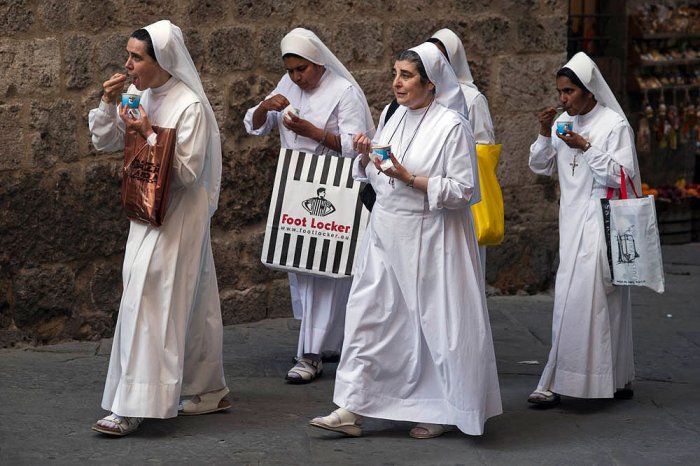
564,125
131,100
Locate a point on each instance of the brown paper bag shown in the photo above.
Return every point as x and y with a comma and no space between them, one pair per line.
146,176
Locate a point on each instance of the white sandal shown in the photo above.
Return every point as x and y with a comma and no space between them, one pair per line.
121,425
306,369
341,420
426,430
205,403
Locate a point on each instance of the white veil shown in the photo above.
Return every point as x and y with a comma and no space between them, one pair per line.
173,57
441,74
449,94
306,44
458,57
591,77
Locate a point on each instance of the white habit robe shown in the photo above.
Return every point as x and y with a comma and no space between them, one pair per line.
418,343
591,353
336,106
168,338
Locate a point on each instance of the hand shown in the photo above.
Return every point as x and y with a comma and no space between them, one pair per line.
277,102
113,88
546,119
140,125
398,171
573,140
302,127
361,143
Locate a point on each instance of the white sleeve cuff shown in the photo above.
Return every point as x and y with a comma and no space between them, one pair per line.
151,140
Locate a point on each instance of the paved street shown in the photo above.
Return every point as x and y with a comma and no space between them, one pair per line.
50,396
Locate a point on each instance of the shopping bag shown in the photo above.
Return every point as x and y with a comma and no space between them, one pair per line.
316,218
632,239
146,175
488,213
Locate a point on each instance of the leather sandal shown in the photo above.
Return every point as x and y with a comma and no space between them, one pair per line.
341,420
425,430
544,398
306,369
205,403
120,425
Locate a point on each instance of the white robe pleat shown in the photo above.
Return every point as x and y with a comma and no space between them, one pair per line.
168,337
418,343
591,354
337,107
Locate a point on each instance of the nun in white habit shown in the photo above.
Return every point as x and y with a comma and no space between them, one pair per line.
479,114
328,108
168,337
591,354
418,343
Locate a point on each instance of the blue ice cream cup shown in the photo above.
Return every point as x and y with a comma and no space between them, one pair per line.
131,100
382,151
564,125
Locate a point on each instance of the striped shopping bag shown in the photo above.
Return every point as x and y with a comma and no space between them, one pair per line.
316,218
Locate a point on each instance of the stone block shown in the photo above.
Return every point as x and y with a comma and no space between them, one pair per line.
223,56
199,12
242,94
279,299
111,55
240,306
77,62
270,55
98,15
543,34
359,43
527,81
11,137
42,294
15,16
264,9
29,66
377,86
105,289
246,186
406,34
486,35
55,15
148,11
55,132
195,43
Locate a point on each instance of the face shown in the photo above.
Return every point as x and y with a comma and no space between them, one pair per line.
408,88
142,68
573,98
304,73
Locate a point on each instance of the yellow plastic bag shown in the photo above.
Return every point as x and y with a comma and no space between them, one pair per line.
488,213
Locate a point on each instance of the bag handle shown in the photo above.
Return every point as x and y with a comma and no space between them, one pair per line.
623,186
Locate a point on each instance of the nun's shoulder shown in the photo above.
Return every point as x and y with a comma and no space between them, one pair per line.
612,118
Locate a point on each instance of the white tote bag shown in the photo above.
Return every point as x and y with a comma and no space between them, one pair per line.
632,237
316,218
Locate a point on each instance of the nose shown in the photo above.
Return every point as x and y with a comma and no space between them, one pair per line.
296,76
129,64
397,82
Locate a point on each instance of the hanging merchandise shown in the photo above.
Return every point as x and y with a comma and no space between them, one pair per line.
671,127
689,119
661,125
644,133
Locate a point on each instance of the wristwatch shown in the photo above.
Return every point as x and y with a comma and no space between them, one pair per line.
587,146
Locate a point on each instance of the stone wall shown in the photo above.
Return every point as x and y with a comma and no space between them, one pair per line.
62,231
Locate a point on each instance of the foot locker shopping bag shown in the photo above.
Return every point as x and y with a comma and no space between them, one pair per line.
316,218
